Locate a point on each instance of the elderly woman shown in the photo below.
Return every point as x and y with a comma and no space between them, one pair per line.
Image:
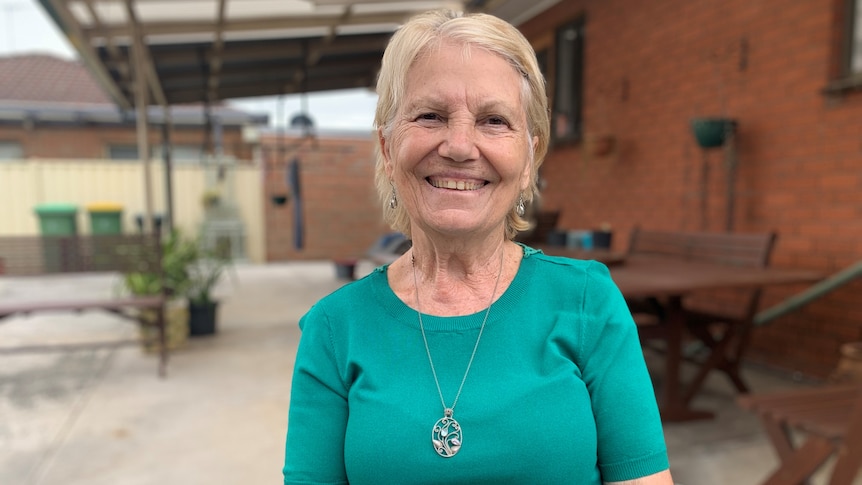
471,359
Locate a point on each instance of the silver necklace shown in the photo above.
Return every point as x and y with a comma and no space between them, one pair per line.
446,435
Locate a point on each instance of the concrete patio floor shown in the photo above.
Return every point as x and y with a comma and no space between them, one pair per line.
103,417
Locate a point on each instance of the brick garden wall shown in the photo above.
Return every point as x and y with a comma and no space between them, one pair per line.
340,208
651,66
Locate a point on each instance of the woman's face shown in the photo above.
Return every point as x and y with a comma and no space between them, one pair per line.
458,152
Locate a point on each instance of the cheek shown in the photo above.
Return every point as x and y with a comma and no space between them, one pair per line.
406,150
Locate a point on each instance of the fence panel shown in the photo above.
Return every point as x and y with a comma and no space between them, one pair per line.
25,184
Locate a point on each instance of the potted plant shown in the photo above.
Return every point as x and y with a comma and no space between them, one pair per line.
173,281
211,198
712,132
204,275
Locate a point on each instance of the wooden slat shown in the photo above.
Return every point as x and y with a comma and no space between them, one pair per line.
831,417
35,255
734,249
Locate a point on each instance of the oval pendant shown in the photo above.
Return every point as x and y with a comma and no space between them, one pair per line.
446,436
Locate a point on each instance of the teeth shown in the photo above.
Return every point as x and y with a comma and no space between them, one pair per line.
455,185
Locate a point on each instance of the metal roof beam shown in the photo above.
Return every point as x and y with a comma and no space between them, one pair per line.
251,25
69,25
215,60
146,60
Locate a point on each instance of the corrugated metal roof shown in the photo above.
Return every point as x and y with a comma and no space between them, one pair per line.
208,50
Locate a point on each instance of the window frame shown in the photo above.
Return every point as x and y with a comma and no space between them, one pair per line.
568,76
853,46
845,77
6,143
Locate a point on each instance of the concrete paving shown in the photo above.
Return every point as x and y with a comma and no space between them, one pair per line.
103,417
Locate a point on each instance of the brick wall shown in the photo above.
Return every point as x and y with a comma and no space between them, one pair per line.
91,142
340,209
651,66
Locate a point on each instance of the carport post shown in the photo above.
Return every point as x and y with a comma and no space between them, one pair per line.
141,90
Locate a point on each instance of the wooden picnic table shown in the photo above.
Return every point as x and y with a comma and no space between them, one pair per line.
671,279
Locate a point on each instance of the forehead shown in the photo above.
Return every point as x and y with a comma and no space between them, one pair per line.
451,68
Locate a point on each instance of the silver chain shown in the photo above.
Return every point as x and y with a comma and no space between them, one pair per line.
449,411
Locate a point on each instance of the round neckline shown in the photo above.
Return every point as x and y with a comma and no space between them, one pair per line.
406,315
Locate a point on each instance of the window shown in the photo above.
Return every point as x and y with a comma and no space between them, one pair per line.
11,150
123,152
184,154
568,80
855,50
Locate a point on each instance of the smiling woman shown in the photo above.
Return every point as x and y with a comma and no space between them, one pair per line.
458,154
522,367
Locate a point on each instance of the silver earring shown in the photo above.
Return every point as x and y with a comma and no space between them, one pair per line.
393,199
520,207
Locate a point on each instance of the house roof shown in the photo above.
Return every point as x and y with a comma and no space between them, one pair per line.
44,88
48,79
208,50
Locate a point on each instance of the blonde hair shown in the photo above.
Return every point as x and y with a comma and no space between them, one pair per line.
480,30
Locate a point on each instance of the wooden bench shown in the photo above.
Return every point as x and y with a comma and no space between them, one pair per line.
30,256
829,417
722,321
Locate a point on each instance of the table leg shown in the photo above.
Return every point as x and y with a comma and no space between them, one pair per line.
673,404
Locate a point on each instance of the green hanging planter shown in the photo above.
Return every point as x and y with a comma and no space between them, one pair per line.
712,132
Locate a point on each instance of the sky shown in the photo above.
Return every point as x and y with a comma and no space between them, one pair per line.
26,29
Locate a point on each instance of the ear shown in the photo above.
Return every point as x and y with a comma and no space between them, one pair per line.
384,151
527,174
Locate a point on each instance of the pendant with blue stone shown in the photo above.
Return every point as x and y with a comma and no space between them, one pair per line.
446,435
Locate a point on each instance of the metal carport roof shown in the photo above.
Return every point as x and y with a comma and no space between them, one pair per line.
205,51
210,50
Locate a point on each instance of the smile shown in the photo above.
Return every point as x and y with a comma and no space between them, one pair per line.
456,184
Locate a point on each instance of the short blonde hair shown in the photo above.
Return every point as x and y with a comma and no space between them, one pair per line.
480,30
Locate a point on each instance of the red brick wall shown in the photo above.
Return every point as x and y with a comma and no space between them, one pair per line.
652,65
91,142
341,212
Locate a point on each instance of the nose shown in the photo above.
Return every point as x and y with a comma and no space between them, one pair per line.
459,143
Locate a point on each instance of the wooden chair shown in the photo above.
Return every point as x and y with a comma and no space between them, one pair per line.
722,322
829,417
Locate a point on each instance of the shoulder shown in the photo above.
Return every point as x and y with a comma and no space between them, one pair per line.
575,284
350,299
567,269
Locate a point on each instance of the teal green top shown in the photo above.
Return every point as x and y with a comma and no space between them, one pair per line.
558,391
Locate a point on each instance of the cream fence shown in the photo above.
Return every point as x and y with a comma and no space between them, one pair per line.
26,184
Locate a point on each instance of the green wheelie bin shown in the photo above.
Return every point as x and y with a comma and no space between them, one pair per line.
106,218
58,225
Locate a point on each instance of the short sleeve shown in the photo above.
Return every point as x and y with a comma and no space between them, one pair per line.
630,437
314,452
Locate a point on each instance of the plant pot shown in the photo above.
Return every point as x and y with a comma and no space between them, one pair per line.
176,327
556,237
602,239
202,318
600,145
345,269
712,132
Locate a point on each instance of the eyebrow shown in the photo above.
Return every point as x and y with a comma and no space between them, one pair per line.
485,106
